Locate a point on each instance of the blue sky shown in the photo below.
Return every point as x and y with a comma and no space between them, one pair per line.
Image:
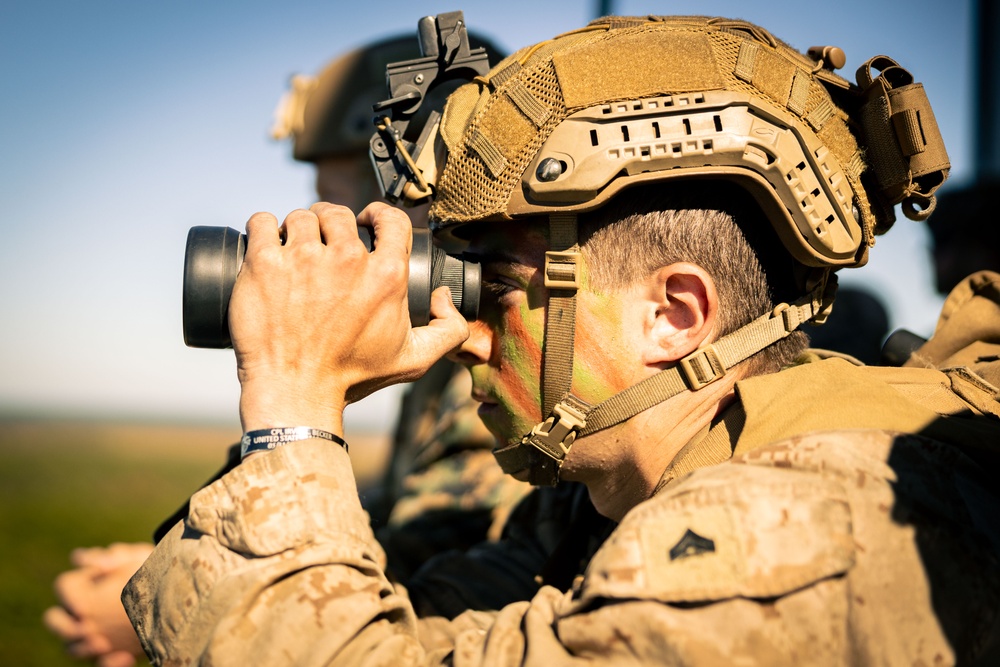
125,123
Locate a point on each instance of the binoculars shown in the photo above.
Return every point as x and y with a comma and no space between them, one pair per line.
214,255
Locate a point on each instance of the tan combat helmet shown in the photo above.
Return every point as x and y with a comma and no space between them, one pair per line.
561,127
331,114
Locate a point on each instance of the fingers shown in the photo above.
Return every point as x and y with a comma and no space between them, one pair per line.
332,225
446,331
90,645
73,585
322,223
96,557
105,559
280,311
301,226
447,322
262,230
337,224
393,231
63,624
81,639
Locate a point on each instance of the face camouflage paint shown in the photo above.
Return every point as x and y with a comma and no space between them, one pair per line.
512,314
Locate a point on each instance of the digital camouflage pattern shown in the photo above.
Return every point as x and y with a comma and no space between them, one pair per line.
854,524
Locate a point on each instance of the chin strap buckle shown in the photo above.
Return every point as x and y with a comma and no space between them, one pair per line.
702,367
562,269
554,436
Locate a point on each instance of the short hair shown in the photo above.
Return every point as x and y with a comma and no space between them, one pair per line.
717,226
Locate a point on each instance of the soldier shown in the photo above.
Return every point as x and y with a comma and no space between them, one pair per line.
659,203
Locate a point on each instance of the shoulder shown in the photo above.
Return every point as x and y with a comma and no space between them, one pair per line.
795,512
717,532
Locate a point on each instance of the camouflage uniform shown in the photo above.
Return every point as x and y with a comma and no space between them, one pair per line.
831,514
855,523
442,491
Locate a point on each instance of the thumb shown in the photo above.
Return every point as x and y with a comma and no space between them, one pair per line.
446,330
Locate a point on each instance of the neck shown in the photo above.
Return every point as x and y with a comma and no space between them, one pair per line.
622,465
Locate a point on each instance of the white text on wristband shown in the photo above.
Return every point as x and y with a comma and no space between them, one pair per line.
265,439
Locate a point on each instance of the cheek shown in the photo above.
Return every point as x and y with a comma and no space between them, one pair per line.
515,360
602,361
521,358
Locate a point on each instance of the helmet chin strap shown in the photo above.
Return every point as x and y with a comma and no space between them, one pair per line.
543,450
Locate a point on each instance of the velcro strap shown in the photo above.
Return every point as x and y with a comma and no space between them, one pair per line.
799,94
911,113
488,152
823,112
746,60
501,76
907,126
529,105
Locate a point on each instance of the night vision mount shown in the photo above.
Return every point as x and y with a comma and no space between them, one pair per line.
446,56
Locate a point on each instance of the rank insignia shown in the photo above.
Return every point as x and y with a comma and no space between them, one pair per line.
691,544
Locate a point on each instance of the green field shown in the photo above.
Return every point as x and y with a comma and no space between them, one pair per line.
65,484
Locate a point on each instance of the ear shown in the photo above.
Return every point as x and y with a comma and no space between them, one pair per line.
685,308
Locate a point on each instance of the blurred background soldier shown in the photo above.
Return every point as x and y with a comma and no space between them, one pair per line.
441,490
856,327
964,234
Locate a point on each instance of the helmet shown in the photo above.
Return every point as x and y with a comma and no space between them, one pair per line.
331,114
564,125
561,127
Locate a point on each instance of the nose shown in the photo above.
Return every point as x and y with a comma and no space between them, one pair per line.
477,347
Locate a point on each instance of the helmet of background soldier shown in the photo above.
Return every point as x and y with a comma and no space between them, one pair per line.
330,114
561,127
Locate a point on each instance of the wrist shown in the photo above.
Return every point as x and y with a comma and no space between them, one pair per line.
265,405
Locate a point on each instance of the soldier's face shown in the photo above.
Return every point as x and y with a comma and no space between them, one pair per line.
504,350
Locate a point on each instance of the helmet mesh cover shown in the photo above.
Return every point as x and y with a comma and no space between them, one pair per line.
494,132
